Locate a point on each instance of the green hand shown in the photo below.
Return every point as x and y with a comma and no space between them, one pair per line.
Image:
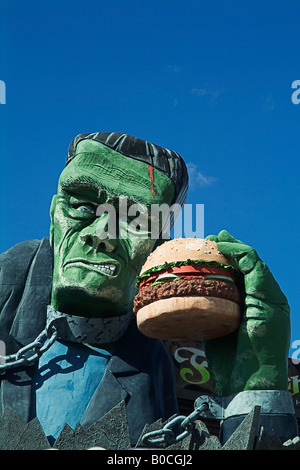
256,356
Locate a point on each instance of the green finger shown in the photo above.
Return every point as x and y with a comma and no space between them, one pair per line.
234,249
212,238
225,236
245,256
261,284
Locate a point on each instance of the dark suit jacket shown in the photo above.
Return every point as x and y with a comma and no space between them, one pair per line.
140,371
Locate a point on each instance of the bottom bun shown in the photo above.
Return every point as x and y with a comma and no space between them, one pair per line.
189,318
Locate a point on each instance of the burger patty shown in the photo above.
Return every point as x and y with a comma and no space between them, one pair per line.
186,288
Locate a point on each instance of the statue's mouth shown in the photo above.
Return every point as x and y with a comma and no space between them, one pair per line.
109,269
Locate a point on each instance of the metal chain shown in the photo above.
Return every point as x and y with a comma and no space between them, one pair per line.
27,355
166,434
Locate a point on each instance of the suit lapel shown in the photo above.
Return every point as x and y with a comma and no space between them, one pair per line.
17,392
127,378
111,389
29,321
31,313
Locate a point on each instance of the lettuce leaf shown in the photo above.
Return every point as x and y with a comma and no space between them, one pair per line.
188,262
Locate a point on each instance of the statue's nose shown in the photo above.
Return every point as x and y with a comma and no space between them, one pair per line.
101,235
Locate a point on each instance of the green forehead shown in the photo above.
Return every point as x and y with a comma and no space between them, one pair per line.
97,167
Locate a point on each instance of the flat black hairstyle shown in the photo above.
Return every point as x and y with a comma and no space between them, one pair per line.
167,161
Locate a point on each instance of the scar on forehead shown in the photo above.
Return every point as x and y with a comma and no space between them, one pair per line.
150,168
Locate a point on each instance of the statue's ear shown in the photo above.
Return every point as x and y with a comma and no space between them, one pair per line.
52,210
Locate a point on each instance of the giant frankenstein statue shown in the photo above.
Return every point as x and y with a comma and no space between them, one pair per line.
78,287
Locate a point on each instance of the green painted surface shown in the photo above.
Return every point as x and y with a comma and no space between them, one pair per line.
256,356
98,176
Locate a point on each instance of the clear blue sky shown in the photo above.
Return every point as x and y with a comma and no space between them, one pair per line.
211,80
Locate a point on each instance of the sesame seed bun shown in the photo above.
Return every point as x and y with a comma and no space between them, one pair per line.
197,305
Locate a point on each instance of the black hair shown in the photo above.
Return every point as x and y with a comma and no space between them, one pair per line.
167,161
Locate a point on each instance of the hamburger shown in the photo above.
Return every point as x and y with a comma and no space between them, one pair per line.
188,291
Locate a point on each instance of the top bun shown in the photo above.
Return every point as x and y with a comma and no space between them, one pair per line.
182,249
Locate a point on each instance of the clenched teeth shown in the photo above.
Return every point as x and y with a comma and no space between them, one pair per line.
109,269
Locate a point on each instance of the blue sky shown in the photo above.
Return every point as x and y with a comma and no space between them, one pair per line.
211,80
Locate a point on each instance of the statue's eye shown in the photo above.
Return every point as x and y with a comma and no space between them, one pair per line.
87,209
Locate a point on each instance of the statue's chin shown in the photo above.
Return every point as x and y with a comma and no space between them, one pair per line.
81,302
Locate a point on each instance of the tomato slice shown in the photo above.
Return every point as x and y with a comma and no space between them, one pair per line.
187,272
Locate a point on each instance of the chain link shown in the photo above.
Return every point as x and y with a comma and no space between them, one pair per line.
27,355
166,434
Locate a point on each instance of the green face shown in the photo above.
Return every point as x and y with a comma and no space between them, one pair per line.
97,253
